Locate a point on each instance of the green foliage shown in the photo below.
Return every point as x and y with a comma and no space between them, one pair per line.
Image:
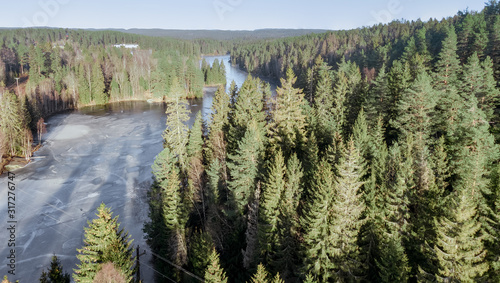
104,241
200,252
415,110
176,133
273,188
287,120
214,272
244,167
12,122
459,250
55,273
261,275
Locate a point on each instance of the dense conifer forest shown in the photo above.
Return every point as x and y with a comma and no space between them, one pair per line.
377,159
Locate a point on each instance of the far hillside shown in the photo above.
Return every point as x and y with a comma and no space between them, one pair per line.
223,34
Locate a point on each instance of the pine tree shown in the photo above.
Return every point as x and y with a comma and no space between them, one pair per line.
176,133
55,273
214,272
104,242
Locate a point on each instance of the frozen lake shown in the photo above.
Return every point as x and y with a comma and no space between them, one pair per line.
93,155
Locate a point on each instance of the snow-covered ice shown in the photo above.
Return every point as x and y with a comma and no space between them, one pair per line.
87,158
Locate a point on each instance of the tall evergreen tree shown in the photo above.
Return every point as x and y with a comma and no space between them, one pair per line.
195,172
261,275
415,110
104,242
176,133
348,208
214,272
459,250
378,101
244,167
273,188
55,273
287,120
316,224
11,121
332,220
288,222
326,126
248,106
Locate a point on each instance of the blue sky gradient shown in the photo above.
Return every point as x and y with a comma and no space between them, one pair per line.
224,14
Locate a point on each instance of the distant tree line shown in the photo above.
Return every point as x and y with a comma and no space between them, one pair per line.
43,71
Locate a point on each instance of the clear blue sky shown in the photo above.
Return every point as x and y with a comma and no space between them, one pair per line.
224,14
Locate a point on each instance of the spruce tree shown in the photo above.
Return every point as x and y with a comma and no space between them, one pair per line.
323,104
261,275
459,249
55,273
287,120
448,64
478,80
176,133
104,242
347,210
415,110
166,231
214,272
97,88
11,121
244,167
248,106
378,101
392,260
216,146
288,223
316,225
196,169
273,188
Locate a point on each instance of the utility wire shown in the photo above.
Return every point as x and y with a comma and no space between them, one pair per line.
150,267
178,267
